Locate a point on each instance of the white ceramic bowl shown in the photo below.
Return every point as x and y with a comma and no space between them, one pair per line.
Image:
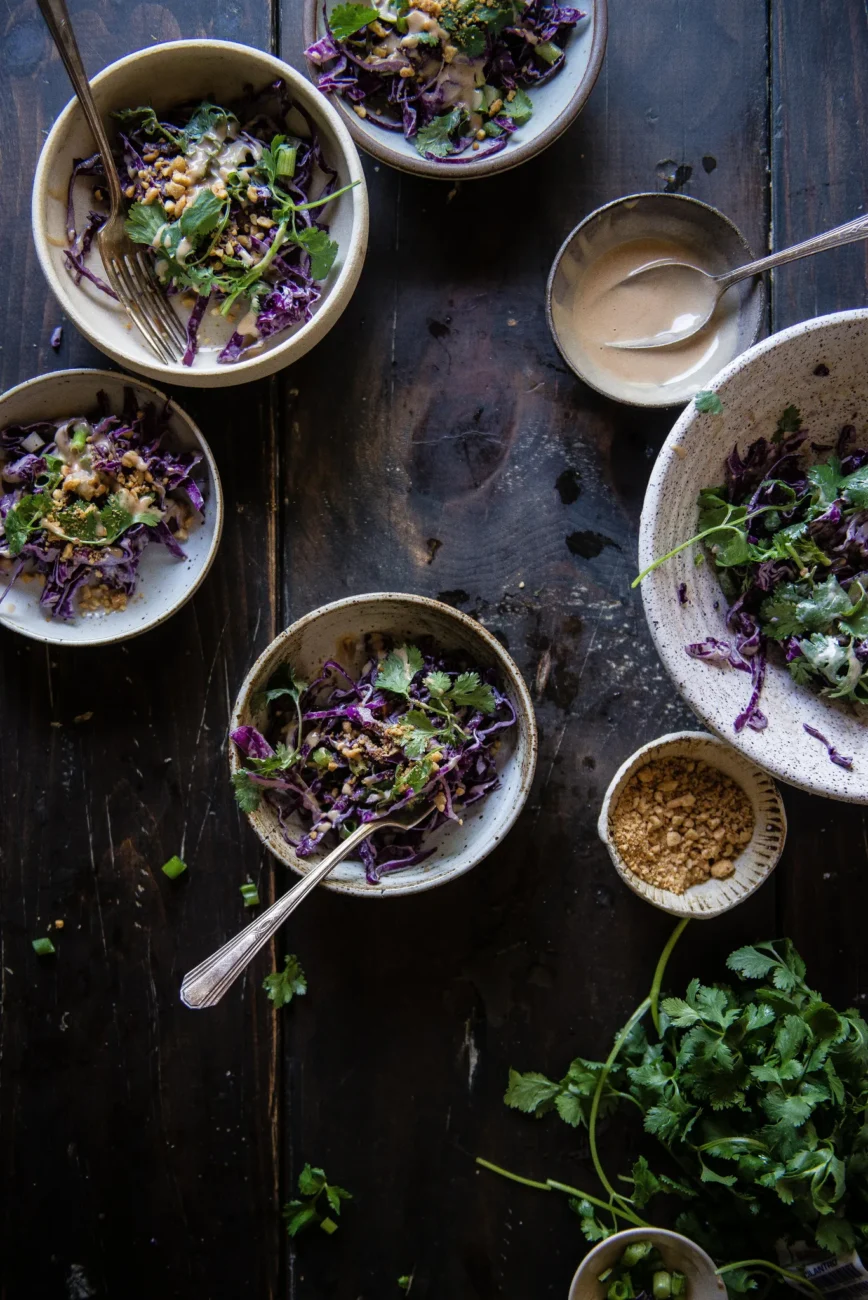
754,390
555,105
758,859
165,583
679,1253
163,76
337,631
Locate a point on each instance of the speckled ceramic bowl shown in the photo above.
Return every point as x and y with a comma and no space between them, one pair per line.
163,76
165,583
820,367
752,866
555,105
337,631
679,1253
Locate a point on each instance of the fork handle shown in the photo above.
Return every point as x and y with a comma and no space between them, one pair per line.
205,985
846,234
57,20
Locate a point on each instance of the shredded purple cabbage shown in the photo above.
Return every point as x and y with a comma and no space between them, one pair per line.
839,759
451,77
122,471
343,751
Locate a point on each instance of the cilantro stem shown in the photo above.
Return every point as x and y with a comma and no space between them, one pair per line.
603,1205
259,267
661,970
318,203
516,1178
598,1093
724,525
775,1268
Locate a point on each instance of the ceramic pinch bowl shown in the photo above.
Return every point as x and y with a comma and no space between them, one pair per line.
165,582
164,77
338,631
819,367
755,863
555,104
680,1254
695,229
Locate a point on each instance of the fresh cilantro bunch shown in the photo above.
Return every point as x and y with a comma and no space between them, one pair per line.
757,1091
314,1193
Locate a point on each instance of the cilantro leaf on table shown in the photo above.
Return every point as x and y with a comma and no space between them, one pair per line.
283,985
347,19
434,140
398,669
306,1212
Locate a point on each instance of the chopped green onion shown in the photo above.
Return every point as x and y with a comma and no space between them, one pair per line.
79,438
250,894
548,51
286,156
620,1289
636,1251
679,1284
402,26
43,947
329,1226
605,1275
662,1285
174,867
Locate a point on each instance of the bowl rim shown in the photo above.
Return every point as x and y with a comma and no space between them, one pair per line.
626,1235
511,156
518,689
607,207
656,484
114,378
751,775
333,303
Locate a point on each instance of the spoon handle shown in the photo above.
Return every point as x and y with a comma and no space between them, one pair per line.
846,234
205,985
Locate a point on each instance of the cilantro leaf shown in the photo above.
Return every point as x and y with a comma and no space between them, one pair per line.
23,519
398,669
202,216
468,692
312,1184
520,108
827,479
283,985
415,743
751,963
207,120
855,487
530,1092
346,19
248,795
790,420
321,250
433,141
145,120
144,222
708,403
470,40
438,683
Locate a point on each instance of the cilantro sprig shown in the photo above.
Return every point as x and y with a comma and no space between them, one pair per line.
317,1201
284,985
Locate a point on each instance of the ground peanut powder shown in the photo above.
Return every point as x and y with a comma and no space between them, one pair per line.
679,821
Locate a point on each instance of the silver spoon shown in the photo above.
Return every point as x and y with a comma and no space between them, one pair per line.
679,279
205,985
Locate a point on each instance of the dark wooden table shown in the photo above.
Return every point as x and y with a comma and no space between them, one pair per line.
145,1150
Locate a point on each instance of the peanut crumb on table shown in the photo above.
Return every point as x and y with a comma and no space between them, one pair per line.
679,822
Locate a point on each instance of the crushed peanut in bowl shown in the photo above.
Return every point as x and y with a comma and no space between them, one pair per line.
680,821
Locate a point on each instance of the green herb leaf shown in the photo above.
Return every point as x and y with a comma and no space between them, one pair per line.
282,986
708,403
438,683
312,1184
145,221
321,250
146,121
398,669
24,518
202,216
520,109
346,19
433,141
248,795
468,692
529,1092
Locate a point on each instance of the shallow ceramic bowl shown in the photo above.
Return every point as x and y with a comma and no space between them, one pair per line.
680,1255
754,390
697,227
752,866
555,105
165,583
337,631
161,76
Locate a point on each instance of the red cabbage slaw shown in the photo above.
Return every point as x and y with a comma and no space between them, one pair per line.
414,726
451,75
233,206
81,499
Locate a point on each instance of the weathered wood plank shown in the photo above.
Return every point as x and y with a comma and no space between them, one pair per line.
820,101
138,1147
456,457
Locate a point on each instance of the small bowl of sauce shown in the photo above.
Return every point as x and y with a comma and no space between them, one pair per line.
591,305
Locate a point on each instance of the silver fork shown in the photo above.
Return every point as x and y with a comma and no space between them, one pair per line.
205,985
129,270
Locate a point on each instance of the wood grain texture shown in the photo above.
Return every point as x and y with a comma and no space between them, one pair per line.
818,182
455,456
138,1148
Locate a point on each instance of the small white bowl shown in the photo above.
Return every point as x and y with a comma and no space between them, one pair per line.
555,105
754,390
163,76
680,1254
337,631
752,866
165,583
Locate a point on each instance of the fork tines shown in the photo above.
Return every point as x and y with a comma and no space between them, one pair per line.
136,284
